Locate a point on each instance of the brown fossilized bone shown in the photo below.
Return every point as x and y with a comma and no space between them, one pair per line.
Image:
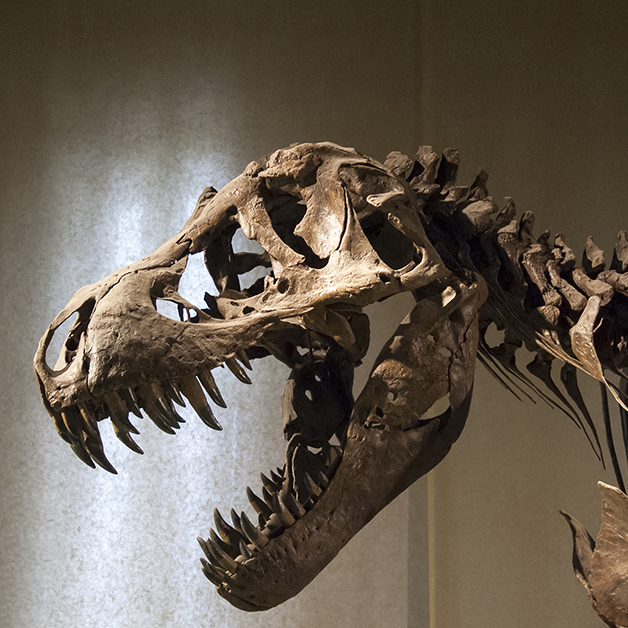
338,231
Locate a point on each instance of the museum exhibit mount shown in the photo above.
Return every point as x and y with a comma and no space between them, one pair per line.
338,231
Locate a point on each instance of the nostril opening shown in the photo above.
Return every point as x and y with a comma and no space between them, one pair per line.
55,351
66,338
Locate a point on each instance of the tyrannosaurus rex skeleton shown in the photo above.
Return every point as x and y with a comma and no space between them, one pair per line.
338,231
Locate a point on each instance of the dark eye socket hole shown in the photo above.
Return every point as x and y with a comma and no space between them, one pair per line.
286,212
393,248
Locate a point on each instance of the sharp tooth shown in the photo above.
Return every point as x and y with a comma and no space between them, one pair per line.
209,384
258,504
253,533
281,511
309,461
268,498
152,408
172,391
244,551
241,355
94,448
118,413
232,551
234,366
203,543
332,459
131,401
62,430
277,479
321,479
73,423
79,449
89,420
311,485
292,504
166,407
227,533
212,573
192,390
269,484
221,557
125,437
236,520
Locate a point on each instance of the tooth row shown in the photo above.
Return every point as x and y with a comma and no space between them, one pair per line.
277,509
78,424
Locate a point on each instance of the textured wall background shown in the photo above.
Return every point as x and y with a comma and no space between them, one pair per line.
535,93
116,115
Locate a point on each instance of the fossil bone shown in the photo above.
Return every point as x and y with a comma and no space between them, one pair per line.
338,231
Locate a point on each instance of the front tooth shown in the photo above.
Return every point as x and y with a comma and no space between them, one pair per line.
213,573
209,384
203,543
221,557
281,511
60,426
73,423
225,546
94,447
89,420
234,366
79,449
194,393
253,533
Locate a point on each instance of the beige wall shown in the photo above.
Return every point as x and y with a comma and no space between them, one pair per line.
536,94
116,115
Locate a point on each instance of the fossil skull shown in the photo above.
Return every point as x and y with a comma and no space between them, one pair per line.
339,231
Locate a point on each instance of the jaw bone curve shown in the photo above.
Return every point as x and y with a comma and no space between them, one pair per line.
339,231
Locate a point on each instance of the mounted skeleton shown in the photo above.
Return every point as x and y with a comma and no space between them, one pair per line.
340,231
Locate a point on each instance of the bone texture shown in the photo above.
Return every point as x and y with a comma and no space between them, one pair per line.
338,231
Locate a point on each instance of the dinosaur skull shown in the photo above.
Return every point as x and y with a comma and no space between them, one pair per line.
339,231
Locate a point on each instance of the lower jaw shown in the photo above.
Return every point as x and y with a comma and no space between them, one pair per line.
361,487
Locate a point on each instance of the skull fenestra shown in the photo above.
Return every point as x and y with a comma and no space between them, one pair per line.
338,231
